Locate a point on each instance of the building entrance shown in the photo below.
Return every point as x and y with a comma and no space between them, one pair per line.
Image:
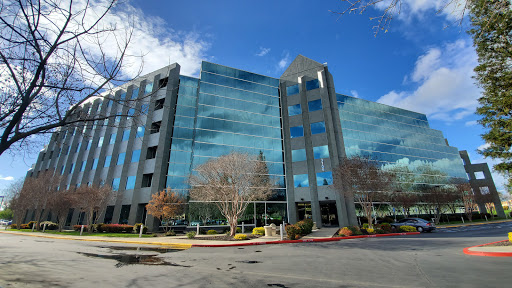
329,213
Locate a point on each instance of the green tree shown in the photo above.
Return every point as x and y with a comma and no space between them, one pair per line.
6,214
491,29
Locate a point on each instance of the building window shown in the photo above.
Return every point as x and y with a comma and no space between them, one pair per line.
140,132
88,145
82,168
315,105
94,164
297,131
118,118
135,93
109,103
115,183
318,127
126,135
479,175
159,104
298,155
312,84
135,156
163,82
151,152
300,180
146,180
78,147
321,152
148,88
324,178
484,190
123,96
100,142
66,150
131,112
72,168
130,182
155,127
294,110
292,90
61,170
120,158
107,161
112,138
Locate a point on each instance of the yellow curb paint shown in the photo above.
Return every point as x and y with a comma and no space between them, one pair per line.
172,245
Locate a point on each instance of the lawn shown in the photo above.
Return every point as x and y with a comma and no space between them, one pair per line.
77,233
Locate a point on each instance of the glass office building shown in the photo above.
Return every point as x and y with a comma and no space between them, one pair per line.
298,124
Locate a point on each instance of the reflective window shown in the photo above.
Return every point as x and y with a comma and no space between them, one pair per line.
115,183
100,142
123,96
148,89
131,112
118,118
72,168
135,156
324,178
321,152
315,105
94,164
294,110
300,180
62,170
82,168
120,158
318,127
135,93
126,135
140,132
297,131
298,155
312,84
112,138
78,147
88,145
107,161
109,103
292,90
130,182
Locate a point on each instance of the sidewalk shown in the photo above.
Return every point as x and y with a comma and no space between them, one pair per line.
492,251
471,224
182,242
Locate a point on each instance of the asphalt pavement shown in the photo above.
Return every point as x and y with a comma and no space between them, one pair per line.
426,260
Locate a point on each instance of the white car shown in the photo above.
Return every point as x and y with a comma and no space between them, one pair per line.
4,222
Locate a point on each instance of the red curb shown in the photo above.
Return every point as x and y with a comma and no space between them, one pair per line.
305,240
488,254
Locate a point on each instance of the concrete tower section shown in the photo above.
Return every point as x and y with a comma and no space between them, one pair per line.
313,144
480,179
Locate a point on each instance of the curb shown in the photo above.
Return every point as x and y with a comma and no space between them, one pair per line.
474,224
305,240
487,253
187,246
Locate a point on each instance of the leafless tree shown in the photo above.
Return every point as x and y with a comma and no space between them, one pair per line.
39,190
231,182
405,200
165,206
19,201
59,203
363,179
488,201
437,198
93,201
53,61
392,8
467,197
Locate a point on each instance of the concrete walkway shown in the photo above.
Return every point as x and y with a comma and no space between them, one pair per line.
471,224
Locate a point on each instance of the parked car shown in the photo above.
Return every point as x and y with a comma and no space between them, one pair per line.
5,222
420,224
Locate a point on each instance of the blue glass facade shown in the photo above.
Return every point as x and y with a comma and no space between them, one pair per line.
396,138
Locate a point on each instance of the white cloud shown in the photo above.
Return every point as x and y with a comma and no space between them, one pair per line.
284,61
470,123
445,89
483,146
410,9
263,51
354,93
6,178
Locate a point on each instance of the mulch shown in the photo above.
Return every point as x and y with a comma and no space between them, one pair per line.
506,243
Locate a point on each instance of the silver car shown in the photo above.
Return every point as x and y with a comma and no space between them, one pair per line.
420,224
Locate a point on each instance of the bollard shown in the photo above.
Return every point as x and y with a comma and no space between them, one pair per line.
281,232
486,218
243,227
197,232
462,219
81,230
44,227
33,226
141,229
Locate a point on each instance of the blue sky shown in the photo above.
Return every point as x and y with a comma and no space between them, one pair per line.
418,65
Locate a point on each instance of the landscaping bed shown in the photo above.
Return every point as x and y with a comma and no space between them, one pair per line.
503,243
224,237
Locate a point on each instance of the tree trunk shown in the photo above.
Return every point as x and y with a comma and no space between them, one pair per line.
233,222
